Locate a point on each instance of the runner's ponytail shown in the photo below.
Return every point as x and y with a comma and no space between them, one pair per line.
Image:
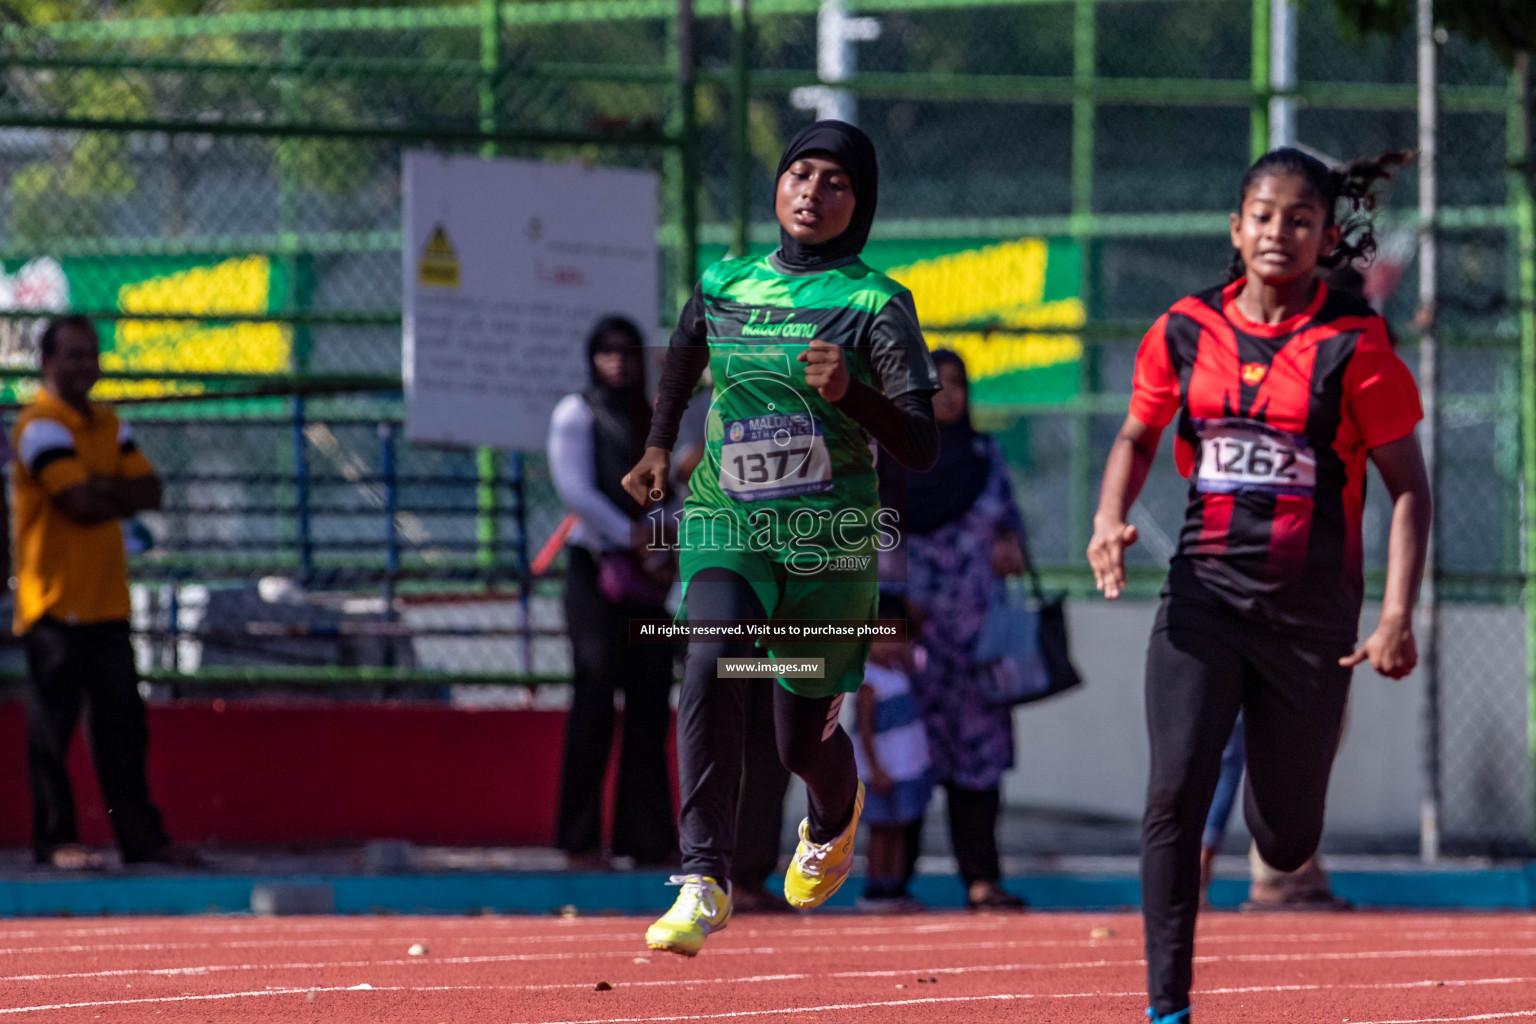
1354,187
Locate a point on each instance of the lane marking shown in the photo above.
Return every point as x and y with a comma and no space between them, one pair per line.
1367,954
538,927
461,988
779,1011
135,946
1477,1016
843,975
203,969
499,958
1015,996
195,998
406,937
930,971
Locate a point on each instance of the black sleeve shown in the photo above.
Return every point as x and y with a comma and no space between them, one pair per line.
900,414
898,352
903,425
687,356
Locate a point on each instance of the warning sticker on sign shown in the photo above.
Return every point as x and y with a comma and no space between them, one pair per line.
439,267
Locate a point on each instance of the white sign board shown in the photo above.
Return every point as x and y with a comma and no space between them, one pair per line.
508,264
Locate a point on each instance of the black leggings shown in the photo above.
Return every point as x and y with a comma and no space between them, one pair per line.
711,719
1203,664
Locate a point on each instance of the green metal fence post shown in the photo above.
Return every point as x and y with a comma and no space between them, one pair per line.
1258,119
487,508
490,66
487,461
1079,452
1084,45
688,141
291,49
741,118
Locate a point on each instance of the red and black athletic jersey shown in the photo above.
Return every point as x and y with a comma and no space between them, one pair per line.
1275,424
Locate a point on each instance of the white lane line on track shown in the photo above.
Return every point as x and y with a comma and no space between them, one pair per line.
1012,996
841,975
1239,990
232,925
120,947
1366,954
407,933
754,979
472,932
204,969
516,958
1477,1016
189,999
1004,997
405,936
542,928
464,988
848,975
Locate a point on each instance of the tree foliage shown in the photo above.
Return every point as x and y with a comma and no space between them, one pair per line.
1507,26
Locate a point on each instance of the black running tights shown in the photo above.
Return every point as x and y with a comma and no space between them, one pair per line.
1203,664
711,717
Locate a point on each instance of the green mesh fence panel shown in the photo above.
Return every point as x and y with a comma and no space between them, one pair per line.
223,191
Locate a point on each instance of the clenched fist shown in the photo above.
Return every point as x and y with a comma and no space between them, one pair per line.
825,369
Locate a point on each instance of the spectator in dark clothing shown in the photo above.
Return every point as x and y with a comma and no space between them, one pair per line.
961,529
613,576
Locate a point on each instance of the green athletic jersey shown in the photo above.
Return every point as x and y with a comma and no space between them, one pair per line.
773,444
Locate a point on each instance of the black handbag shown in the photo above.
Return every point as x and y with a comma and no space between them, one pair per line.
1054,649
1023,645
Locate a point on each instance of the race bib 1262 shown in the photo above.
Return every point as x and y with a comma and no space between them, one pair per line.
774,456
1246,455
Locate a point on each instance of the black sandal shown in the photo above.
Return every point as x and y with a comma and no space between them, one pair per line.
984,896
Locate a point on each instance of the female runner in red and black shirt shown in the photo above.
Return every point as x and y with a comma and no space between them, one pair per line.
1282,389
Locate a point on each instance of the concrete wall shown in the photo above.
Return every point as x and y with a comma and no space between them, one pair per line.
1087,750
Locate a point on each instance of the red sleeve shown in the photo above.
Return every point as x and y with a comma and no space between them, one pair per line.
1155,391
1379,392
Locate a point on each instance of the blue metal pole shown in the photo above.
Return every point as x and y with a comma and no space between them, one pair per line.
391,534
520,553
301,492
173,624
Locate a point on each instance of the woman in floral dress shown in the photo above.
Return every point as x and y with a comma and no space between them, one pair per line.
962,529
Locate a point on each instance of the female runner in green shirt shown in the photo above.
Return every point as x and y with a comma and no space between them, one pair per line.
812,354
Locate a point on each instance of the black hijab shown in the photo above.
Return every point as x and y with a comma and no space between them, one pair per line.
621,417
855,154
946,492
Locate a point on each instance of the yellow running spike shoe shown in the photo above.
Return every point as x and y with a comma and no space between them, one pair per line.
820,869
701,908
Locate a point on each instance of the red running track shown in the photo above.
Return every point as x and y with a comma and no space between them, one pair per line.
1048,968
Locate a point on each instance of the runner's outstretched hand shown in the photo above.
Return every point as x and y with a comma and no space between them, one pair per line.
825,369
1106,553
1391,648
647,481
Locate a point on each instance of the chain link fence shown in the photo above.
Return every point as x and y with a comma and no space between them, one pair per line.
223,193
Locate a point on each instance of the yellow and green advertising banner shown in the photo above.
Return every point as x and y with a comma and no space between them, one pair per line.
183,298
1008,307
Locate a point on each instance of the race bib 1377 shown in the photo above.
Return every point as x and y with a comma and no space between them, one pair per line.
774,456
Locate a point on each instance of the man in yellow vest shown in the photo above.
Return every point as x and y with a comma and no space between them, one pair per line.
77,474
